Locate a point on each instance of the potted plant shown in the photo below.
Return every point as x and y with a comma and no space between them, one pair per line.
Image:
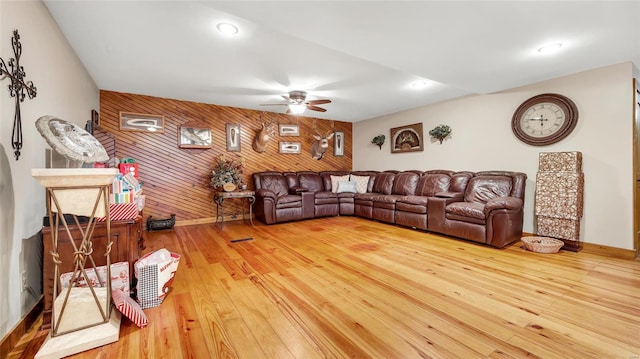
378,140
227,171
440,132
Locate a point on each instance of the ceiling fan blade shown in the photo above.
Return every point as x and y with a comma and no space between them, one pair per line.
318,102
287,98
316,108
274,104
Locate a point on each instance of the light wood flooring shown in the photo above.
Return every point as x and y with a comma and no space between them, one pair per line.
347,287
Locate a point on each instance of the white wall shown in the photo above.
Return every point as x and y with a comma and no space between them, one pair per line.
482,140
65,90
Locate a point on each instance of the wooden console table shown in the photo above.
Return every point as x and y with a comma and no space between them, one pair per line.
127,244
220,196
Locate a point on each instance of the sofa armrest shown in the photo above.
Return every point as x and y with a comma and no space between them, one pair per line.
297,190
266,193
455,195
508,203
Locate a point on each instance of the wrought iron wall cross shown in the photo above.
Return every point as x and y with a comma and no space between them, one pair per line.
18,89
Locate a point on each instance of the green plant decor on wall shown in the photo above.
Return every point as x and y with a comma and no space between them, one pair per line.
440,132
378,140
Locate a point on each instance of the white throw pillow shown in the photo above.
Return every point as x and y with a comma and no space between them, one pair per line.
335,180
362,182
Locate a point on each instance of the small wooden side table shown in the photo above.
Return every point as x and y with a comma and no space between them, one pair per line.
246,196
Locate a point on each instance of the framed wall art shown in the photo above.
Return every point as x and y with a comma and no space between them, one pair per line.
290,147
338,144
190,136
407,138
289,130
233,137
130,121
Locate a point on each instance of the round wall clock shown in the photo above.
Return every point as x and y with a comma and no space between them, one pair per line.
544,119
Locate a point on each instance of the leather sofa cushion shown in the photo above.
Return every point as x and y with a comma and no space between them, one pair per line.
481,189
432,183
289,201
466,211
405,183
459,181
292,179
518,180
276,183
325,195
419,205
364,202
366,196
333,200
311,181
386,198
385,205
414,200
383,183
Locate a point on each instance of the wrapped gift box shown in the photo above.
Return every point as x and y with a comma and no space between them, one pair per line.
129,168
122,211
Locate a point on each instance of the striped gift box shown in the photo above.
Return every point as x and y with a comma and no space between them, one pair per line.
122,211
129,308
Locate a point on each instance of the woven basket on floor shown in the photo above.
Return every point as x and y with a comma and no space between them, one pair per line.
542,244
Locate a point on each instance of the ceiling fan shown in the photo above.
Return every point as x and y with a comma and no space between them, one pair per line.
297,103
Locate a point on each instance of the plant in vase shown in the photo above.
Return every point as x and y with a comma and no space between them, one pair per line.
227,173
440,132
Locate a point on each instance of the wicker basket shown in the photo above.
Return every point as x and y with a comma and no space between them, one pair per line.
542,244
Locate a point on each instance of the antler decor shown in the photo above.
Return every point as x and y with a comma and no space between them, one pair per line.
321,143
18,89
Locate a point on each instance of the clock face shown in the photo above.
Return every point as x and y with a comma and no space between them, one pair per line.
544,119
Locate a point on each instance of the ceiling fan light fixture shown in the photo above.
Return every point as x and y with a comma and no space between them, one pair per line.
227,28
297,108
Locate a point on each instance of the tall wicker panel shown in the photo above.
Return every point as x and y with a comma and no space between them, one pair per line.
559,197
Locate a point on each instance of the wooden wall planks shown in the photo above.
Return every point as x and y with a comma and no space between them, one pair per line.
176,180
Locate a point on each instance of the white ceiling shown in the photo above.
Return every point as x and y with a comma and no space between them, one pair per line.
362,55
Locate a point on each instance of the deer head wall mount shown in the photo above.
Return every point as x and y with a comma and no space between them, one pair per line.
261,140
320,144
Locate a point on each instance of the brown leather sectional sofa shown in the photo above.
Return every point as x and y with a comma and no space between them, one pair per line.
485,207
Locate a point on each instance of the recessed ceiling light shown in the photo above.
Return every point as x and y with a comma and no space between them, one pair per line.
420,84
550,48
227,28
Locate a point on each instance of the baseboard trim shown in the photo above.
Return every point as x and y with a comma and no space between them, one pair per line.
21,328
607,251
603,250
189,222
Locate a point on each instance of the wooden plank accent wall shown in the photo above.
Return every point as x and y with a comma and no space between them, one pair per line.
176,180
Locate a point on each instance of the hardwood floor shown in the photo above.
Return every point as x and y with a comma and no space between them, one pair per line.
348,287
